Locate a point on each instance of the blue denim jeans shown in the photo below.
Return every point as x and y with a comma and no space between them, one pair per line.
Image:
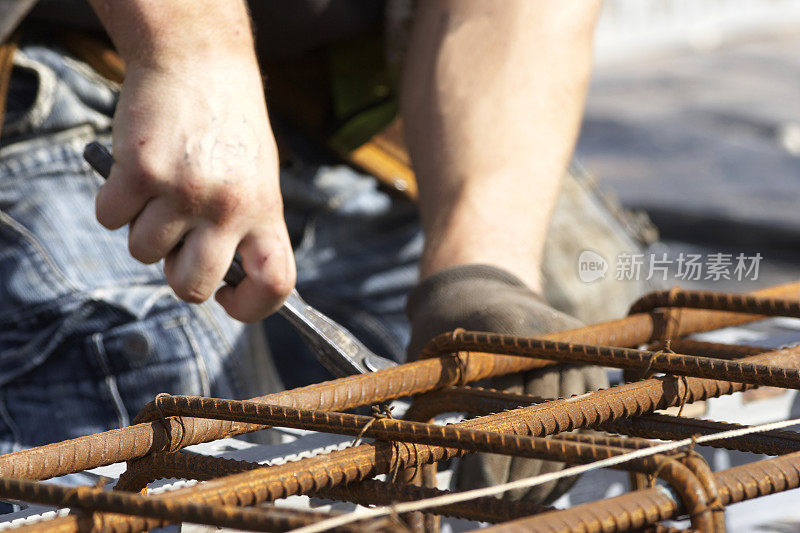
88,335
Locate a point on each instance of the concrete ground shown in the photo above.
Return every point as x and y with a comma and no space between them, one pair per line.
708,144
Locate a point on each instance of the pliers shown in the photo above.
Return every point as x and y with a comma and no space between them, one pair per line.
334,346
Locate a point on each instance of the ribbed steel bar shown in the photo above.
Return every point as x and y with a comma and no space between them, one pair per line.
717,350
179,465
699,467
367,460
693,461
642,508
478,401
486,509
413,378
671,363
719,301
367,492
180,433
451,436
374,492
681,478
160,511
370,459
666,427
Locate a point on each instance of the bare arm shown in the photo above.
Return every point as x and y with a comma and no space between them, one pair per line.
492,98
195,155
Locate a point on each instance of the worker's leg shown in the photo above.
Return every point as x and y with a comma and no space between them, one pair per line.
87,334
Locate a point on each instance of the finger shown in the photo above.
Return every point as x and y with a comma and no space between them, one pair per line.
195,269
120,199
269,264
156,230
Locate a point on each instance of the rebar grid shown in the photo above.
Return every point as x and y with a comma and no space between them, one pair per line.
231,492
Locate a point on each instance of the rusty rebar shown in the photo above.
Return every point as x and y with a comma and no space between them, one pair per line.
159,511
414,378
719,301
479,401
373,492
179,465
717,350
359,462
366,492
667,427
561,415
356,463
699,467
456,437
485,509
691,459
628,358
643,508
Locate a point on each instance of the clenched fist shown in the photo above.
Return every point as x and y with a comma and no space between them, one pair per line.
196,178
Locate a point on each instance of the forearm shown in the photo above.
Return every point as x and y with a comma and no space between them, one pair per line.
160,34
492,99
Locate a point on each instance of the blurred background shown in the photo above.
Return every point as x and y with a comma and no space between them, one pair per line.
694,116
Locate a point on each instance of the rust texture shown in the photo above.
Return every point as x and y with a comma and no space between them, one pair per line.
237,494
162,511
661,361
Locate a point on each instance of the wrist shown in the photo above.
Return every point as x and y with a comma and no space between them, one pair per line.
177,34
470,237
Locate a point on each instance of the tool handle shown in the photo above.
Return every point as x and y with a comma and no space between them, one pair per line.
101,160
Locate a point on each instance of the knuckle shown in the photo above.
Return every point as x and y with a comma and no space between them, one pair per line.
225,202
187,190
144,173
279,284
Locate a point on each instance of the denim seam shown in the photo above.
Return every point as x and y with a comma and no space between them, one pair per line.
202,368
77,136
111,382
211,323
90,74
231,368
42,257
6,416
45,97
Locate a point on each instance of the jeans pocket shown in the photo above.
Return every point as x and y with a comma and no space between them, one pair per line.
31,96
50,92
142,358
102,366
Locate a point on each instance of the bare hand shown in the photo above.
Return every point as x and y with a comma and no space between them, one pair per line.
196,178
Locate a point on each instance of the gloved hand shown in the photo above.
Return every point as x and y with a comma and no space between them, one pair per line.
487,298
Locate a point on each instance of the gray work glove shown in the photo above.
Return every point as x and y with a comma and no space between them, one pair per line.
486,298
